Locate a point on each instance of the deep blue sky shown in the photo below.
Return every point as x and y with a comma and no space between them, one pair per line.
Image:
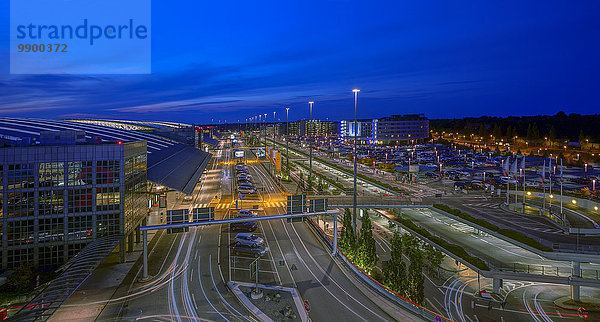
229,60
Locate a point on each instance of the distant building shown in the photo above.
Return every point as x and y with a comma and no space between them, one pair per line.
395,129
400,128
313,128
362,130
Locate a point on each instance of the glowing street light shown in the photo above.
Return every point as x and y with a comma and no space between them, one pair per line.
310,149
355,91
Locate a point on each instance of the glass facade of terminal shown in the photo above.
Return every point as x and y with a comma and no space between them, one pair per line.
57,199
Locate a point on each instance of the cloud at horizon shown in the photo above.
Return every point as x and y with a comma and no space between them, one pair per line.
224,62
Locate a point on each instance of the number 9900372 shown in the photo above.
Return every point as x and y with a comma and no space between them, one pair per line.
42,48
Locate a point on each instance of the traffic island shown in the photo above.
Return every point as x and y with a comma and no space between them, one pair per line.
277,303
590,304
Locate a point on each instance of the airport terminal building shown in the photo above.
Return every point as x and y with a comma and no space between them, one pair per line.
66,185
58,198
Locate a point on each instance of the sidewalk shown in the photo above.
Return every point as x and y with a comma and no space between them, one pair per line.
87,303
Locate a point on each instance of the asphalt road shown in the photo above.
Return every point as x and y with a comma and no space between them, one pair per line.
189,270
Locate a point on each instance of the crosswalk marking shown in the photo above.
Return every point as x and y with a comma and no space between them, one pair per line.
483,204
244,204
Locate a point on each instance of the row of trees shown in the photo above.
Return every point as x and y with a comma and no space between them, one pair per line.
572,127
361,251
408,281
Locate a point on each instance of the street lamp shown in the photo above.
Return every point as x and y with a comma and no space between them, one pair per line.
355,91
287,137
310,148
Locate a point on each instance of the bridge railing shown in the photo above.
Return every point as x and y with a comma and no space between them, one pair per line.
593,274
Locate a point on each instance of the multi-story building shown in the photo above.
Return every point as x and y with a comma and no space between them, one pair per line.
305,128
58,198
66,184
361,130
397,128
388,130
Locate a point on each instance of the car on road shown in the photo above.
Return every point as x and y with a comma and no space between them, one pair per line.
245,213
253,250
248,239
246,189
244,226
244,182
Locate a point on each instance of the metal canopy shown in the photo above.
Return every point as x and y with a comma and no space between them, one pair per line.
75,272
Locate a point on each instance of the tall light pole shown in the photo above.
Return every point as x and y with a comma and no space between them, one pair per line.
355,91
310,149
287,137
267,158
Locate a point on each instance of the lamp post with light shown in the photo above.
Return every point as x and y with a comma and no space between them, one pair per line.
355,91
287,137
310,148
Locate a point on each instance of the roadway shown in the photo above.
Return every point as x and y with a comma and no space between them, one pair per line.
299,260
189,271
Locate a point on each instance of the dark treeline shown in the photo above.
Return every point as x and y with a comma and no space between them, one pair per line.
572,127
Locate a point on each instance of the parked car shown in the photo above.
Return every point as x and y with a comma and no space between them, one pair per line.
253,250
248,239
246,189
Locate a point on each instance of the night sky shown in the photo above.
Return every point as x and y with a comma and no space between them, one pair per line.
229,60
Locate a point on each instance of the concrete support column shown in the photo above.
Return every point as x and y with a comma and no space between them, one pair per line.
137,235
130,242
145,255
122,251
575,289
497,285
335,234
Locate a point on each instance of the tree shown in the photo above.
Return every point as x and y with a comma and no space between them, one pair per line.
434,257
22,280
581,137
395,269
552,135
509,132
347,237
483,132
535,132
497,131
416,282
409,241
367,251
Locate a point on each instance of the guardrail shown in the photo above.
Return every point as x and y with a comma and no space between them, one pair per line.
593,274
380,288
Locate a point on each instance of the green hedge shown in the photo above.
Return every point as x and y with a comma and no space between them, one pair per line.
453,248
518,236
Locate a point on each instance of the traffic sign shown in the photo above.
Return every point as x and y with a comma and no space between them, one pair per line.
318,205
202,214
438,318
295,204
306,306
177,216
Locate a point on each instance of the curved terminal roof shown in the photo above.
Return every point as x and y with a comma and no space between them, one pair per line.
171,164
